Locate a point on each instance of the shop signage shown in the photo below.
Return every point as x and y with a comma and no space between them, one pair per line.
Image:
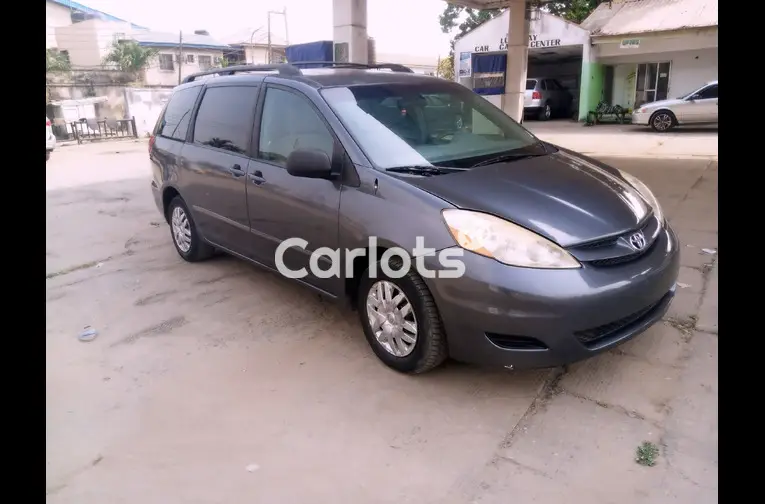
465,64
534,43
629,43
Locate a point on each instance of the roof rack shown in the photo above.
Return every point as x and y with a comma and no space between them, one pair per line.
282,68
394,67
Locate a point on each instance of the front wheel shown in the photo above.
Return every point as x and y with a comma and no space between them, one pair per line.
401,321
662,121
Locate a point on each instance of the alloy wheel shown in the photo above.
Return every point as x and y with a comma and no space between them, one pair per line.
662,122
391,318
181,229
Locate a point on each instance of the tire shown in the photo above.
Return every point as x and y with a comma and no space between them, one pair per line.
662,121
546,113
429,349
193,248
47,155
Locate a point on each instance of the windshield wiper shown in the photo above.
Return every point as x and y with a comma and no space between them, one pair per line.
521,153
423,169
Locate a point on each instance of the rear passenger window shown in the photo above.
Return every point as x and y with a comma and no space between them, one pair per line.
543,85
174,123
289,123
225,118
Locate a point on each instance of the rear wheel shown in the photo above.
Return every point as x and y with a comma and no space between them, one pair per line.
662,121
188,243
401,321
545,113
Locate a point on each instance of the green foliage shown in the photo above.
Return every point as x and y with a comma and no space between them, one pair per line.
129,56
446,67
575,11
646,454
223,62
56,61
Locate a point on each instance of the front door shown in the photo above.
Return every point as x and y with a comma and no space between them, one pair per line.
216,161
704,105
282,206
651,82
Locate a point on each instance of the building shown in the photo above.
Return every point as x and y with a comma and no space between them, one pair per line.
556,50
649,50
627,52
251,46
179,55
62,13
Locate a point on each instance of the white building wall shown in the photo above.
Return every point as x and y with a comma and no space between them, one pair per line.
692,55
89,42
55,16
154,76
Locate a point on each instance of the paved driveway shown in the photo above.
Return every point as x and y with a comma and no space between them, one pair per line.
221,383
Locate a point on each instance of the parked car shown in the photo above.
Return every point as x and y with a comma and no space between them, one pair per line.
50,139
561,255
697,107
546,98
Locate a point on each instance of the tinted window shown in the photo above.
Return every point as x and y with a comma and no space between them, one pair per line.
531,84
289,123
708,92
174,123
225,118
543,85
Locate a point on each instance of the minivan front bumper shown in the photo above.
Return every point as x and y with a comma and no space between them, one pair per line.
498,315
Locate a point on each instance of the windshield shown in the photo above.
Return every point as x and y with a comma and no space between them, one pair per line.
431,123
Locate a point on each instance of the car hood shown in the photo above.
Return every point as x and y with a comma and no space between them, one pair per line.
565,198
661,103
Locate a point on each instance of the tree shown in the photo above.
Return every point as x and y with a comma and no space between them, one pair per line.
129,56
56,61
575,11
445,68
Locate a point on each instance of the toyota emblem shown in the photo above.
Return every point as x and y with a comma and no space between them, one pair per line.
637,241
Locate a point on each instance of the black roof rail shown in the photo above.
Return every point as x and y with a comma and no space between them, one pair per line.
394,67
282,68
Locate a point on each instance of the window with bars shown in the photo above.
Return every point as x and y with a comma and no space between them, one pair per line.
166,62
205,62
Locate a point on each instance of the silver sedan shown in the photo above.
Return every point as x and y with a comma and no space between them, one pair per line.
698,107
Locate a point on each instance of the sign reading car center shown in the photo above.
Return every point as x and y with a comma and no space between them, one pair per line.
535,42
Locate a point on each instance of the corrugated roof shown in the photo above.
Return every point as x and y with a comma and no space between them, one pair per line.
93,12
190,40
625,17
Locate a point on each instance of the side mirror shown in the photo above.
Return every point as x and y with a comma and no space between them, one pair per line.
693,97
309,163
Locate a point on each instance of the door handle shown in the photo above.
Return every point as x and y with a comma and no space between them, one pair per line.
236,171
257,177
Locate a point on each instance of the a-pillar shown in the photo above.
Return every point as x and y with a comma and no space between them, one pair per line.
350,30
517,60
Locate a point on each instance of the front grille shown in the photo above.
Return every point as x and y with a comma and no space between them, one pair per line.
613,261
591,337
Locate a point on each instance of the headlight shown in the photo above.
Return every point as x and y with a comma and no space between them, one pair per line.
646,193
504,241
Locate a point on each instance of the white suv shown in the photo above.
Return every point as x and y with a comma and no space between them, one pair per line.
50,139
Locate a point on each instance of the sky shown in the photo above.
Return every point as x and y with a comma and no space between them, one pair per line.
398,26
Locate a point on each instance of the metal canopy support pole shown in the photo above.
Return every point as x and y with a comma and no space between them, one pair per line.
350,31
517,59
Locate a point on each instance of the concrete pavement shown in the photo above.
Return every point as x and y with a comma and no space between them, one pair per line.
625,140
218,382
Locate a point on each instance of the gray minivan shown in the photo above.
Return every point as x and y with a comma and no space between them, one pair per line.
452,230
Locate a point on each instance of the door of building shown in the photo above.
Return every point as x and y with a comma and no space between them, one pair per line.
652,82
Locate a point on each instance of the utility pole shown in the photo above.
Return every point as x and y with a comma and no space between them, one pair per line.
268,57
286,34
180,57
